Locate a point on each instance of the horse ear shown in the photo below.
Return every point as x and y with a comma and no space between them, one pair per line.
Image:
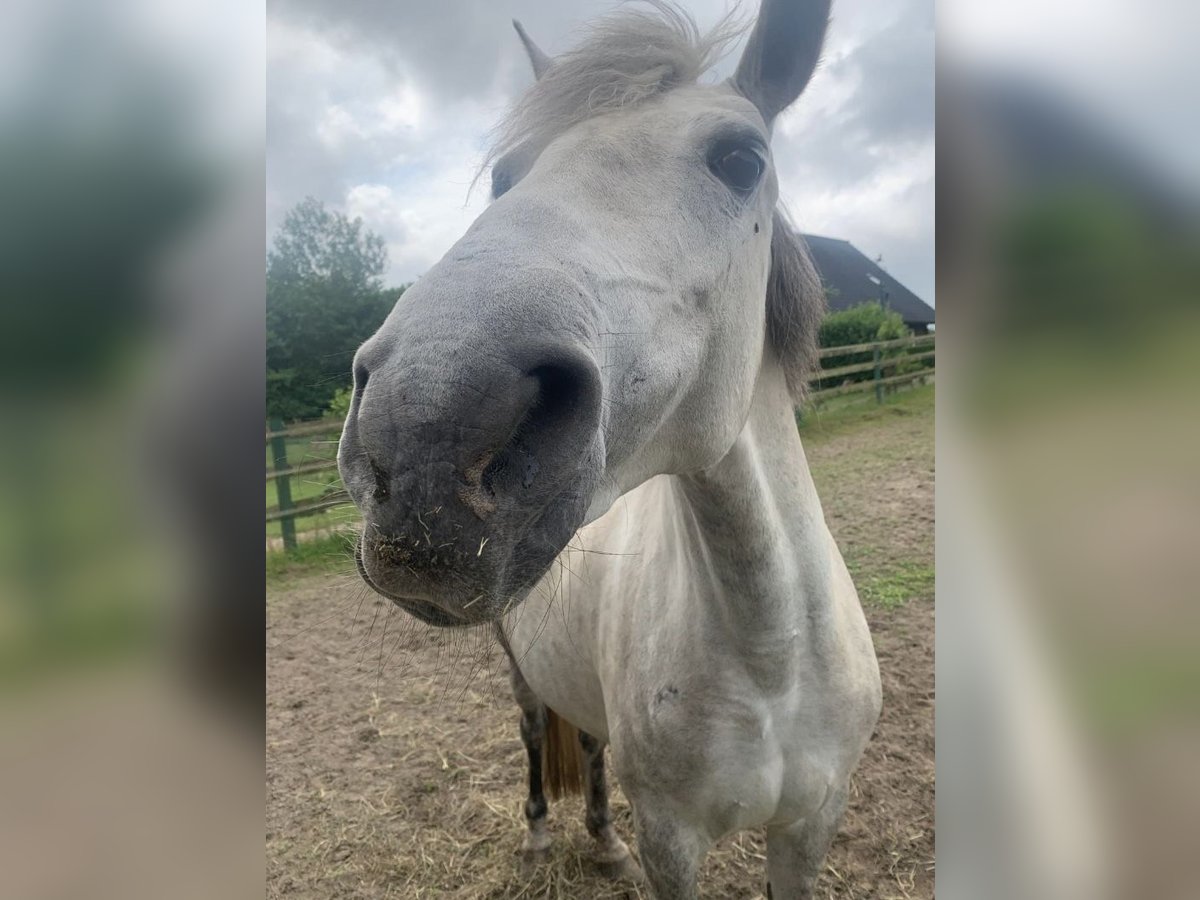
795,305
537,57
782,53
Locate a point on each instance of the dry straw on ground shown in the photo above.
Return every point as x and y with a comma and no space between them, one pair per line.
395,769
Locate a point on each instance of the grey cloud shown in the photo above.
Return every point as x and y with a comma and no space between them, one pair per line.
451,49
463,60
298,165
891,109
897,75
879,130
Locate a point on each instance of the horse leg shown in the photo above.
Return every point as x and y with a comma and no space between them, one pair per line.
536,846
795,855
612,856
671,853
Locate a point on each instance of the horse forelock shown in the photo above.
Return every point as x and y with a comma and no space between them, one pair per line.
625,58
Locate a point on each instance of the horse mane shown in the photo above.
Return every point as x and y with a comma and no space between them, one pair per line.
625,58
796,304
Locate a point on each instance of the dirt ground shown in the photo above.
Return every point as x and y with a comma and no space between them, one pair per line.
395,768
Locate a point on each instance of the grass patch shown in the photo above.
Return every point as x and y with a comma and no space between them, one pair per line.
333,553
311,485
907,581
323,520
851,411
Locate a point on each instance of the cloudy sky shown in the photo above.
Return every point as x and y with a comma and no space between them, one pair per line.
381,108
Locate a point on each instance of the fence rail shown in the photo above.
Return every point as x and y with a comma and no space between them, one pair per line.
849,349
282,472
899,352
335,498
320,465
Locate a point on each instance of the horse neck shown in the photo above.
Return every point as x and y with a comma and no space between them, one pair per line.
760,526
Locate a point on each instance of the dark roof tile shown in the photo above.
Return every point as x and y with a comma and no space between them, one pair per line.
854,278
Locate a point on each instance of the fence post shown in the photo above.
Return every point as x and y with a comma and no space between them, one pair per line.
283,486
878,375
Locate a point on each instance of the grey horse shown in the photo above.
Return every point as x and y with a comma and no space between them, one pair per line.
578,426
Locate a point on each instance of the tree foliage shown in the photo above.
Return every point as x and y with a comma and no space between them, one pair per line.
325,296
862,323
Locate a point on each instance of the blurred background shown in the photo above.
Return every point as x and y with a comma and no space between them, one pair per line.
1068,497
132,407
131,351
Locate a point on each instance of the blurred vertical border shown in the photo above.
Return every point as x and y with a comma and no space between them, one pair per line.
1068,498
131,419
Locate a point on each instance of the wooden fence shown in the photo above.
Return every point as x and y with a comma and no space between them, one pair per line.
886,357
282,472
887,360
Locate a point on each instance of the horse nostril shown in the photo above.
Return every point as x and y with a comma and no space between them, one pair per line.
381,482
360,381
534,440
559,390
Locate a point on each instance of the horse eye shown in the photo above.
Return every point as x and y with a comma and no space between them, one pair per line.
739,168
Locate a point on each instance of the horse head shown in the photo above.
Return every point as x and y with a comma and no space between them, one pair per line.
603,321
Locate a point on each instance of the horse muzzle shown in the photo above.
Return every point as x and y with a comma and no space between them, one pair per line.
472,472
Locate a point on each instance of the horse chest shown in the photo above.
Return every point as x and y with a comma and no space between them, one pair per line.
731,757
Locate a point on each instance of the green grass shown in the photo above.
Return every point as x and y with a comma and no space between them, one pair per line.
319,521
851,411
310,448
305,487
907,581
310,486
333,553
865,457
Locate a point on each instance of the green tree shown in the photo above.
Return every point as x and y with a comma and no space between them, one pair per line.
325,296
862,323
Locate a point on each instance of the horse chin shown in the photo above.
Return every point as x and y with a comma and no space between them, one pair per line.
451,589
448,607
419,608
428,613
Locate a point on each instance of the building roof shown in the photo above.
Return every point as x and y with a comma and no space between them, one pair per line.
850,278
